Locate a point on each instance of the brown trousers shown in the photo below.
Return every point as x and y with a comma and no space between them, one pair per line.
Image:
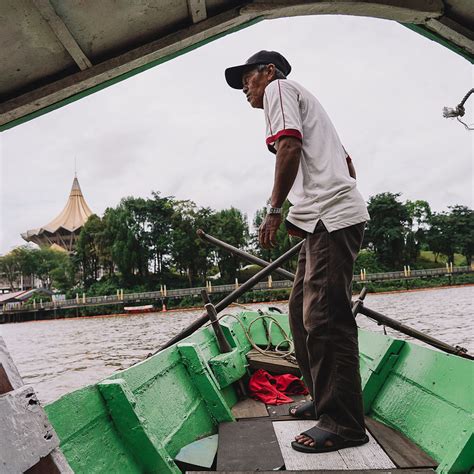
324,329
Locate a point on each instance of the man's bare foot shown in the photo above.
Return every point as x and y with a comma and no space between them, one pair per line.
307,441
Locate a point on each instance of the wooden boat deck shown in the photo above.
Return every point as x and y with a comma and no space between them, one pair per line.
261,441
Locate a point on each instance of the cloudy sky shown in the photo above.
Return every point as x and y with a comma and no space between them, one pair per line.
179,129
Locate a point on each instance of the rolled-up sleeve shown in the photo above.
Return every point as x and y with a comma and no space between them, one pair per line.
282,112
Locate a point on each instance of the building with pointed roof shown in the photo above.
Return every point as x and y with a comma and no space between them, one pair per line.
63,230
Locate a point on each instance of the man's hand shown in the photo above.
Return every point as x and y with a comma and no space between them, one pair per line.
267,231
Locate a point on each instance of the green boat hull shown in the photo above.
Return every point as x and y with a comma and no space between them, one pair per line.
138,419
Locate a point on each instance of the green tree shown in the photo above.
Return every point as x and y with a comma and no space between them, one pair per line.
441,236
159,212
419,213
229,225
9,266
386,230
64,277
89,249
127,252
190,256
46,261
462,221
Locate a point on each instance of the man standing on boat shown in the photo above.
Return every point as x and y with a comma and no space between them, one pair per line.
316,174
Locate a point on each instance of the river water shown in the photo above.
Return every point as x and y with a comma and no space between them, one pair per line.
59,356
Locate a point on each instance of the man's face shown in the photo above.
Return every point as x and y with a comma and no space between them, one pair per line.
254,84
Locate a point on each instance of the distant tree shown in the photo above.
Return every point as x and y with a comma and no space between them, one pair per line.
42,263
441,236
46,263
367,260
159,214
24,256
128,254
89,250
386,230
190,255
419,213
9,266
64,276
462,221
231,226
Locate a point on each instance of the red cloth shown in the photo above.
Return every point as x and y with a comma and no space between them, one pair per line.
273,389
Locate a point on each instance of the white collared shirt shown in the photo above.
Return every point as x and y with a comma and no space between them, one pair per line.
323,188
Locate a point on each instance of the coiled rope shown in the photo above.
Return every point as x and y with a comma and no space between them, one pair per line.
270,350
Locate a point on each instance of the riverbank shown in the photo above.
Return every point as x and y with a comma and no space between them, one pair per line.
261,295
277,301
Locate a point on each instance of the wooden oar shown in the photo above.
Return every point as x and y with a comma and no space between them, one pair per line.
222,342
409,331
244,255
358,305
231,297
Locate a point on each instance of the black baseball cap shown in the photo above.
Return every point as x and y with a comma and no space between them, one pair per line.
233,75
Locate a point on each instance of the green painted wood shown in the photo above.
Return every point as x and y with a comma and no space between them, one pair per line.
88,437
205,382
228,367
165,391
378,356
167,398
133,429
428,397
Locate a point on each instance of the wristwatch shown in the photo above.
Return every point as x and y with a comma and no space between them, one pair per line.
274,210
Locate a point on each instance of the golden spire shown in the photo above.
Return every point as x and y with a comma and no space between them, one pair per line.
64,228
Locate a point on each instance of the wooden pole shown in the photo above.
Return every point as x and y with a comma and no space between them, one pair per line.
380,318
409,331
244,255
230,298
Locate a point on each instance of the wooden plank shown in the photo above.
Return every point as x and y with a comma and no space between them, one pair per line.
249,408
364,471
25,432
405,11
403,452
273,365
9,376
62,33
248,445
197,10
367,456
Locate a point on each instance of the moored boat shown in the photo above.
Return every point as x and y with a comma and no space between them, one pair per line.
147,308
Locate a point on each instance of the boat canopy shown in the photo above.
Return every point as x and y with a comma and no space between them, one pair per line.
54,52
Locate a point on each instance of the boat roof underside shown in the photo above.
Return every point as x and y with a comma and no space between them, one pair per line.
54,52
